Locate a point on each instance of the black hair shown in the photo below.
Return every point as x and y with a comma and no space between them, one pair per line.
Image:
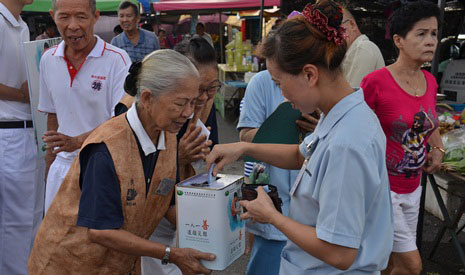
126,4
198,50
117,29
147,27
405,17
201,24
296,42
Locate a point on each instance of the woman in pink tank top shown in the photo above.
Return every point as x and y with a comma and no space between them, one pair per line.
403,96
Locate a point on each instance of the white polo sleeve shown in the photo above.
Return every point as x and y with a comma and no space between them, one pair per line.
119,76
46,103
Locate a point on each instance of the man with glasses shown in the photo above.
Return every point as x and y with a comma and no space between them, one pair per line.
362,56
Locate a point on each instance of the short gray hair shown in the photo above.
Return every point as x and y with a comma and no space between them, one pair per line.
92,5
162,70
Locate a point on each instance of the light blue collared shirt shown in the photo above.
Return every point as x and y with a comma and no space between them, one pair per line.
344,191
261,99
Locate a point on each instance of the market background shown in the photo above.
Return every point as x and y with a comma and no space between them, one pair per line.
223,24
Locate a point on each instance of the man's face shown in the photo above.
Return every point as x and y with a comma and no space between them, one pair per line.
128,19
75,22
199,29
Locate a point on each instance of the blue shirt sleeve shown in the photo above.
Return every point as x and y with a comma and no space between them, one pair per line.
100,205
346,192
253,112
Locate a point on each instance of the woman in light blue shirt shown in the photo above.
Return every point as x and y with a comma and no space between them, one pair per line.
340,218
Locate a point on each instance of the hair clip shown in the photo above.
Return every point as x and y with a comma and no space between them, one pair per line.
320,21
294,14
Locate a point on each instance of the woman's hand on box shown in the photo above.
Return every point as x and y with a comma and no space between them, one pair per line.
223,154
261,209
188,260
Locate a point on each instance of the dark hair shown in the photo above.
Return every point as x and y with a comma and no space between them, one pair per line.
405,17
147,27
126,4
161,30
198,50
200,24
296,43
117,29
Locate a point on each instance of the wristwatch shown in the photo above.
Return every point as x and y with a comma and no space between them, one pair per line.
166,258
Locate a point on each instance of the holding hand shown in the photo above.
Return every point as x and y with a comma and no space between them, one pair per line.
193,147
433,161
25,92
261,209
188,260
58,142
224,154
309,122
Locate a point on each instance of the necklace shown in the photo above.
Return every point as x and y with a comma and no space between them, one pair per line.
416,90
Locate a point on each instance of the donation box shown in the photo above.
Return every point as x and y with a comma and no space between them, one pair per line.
208,217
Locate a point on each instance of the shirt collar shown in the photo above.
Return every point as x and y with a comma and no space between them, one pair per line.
145,142
359,39
9,16
141,38
327,122
97,51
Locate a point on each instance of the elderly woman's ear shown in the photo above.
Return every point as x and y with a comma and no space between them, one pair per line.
146,97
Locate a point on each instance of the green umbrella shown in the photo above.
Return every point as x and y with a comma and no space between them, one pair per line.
46,5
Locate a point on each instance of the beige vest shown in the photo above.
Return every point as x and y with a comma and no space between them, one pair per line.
61,247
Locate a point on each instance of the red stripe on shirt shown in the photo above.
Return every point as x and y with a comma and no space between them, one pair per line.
105,48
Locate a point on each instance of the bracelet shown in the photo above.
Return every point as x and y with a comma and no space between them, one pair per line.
440,149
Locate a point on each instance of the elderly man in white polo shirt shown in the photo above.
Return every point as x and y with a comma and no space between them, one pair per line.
81,81
17,143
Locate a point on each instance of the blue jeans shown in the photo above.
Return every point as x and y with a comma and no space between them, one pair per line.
265,256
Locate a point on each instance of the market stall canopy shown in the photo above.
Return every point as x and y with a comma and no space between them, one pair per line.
190,5
46,5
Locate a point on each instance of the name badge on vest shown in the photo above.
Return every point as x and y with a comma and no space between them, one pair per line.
165,186
310,148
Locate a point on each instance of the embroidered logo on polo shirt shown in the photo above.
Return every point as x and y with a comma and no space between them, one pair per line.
96,85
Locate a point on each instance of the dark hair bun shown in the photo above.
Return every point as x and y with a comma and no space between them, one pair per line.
331,10
130,83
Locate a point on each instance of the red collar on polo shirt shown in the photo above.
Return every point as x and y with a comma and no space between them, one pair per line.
97,51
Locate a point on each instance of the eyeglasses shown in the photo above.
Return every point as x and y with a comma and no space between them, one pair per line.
211,90
345,21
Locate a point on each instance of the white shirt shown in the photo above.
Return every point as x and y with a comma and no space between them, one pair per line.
145,142
84,102
362,58
13,65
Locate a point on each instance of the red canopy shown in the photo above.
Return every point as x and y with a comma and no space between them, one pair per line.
172,5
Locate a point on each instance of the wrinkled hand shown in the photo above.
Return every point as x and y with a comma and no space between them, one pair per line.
25,92
433,161
58,142
223,154
193,147
188,260
308,124
261,209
